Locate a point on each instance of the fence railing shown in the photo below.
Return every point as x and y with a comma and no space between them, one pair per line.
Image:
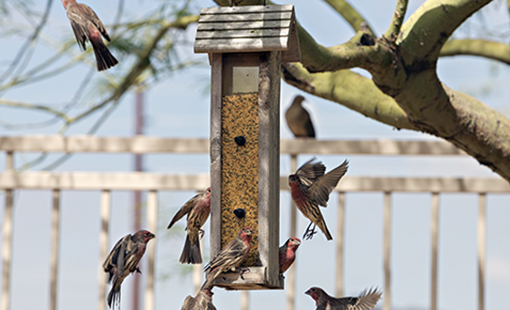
11,180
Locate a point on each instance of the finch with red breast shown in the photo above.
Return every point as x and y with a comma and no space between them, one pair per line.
366,300
88,27
310,188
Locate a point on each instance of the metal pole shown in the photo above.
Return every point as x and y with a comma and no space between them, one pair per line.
482,237
137,195
434,240
340,245
55,236
7,242
387,250
291,273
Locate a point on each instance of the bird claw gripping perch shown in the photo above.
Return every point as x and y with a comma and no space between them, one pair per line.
243,271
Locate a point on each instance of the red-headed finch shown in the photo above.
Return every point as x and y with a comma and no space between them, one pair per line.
366,300
310,187
123,260
298,119
203,301
88,27
287,253
230,257
197,208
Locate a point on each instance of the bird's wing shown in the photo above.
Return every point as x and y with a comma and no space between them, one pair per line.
92,17
229,256
310,171
78,24
320,190
185,209
366,301
309,126
112,259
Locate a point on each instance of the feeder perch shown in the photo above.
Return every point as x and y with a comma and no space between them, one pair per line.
246,46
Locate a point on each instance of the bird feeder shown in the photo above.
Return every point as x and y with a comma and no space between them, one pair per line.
246,46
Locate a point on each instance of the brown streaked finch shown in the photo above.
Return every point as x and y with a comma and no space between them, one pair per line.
287,253
230,257
123,260
88,27
366,300
298,119
203,301
198,209
310,188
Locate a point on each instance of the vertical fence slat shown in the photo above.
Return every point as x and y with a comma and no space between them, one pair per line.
387,249
55,246
482,232
434,228
245,300
291,273
7,228
340,245
152,214
103,246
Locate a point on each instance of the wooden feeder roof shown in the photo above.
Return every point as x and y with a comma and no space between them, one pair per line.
248,29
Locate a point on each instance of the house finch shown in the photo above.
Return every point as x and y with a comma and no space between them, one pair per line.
123,260
197,209
87,26
366,300
203,301
310,187
231,256
299,120
287,253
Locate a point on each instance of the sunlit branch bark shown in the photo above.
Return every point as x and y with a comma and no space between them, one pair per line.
350,15
430,26
397,20
482,48
351,90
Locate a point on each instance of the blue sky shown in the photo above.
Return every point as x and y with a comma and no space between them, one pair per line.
178,107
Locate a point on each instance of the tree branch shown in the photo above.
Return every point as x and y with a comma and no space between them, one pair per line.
350,15
483,48
12,67
17,104
140,65
351,90
430,26
397,20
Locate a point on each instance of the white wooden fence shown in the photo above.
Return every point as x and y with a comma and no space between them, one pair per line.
11,180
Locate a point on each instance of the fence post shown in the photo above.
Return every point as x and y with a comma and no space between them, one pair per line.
103,246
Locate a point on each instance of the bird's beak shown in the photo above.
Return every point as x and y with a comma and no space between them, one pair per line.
153,236
308,292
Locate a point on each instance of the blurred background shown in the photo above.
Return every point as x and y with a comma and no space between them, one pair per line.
175,94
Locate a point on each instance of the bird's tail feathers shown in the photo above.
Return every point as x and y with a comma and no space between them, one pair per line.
191,253
113,297
104,58
323,227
